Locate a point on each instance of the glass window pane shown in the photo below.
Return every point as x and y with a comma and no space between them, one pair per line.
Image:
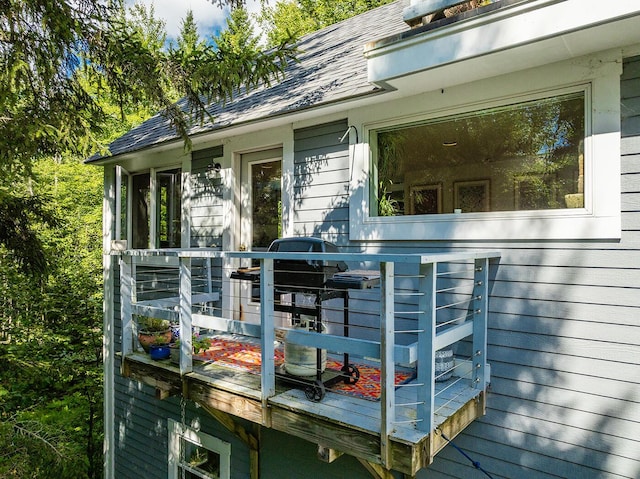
527,156
168,198
266,191
199,462
140,204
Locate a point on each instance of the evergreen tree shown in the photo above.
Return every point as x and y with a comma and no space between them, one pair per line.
294,18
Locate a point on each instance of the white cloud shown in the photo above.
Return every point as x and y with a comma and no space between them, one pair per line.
208,16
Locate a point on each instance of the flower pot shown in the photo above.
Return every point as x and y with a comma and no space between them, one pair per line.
175,353
147,338
159,351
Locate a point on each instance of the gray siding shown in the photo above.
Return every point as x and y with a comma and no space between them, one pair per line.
564,343
564,340
206,201
321,184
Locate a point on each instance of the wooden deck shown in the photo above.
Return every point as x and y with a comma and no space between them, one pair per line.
341,423
433,303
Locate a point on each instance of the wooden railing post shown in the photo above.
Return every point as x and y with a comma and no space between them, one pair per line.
481,306
426,340
387,363
126,288
267,336
186,345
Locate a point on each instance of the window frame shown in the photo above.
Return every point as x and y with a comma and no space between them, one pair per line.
600,216
178,431
124,179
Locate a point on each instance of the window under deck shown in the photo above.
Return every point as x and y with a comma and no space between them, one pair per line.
395,331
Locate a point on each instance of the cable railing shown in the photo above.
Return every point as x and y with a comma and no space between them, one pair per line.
419,317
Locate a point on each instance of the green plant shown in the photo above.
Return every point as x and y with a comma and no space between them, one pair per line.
198,343
151,325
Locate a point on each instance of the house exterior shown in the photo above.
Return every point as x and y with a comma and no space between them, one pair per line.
510,126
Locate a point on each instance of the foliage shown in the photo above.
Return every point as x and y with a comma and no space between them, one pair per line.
51,350
198,343
60,59
294,18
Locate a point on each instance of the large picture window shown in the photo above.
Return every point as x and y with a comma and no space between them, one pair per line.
524,156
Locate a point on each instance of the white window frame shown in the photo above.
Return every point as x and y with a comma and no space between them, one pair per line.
123,176
178,431
600,218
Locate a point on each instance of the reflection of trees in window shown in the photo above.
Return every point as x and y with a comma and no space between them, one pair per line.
168,204
140,211
538,143
266,201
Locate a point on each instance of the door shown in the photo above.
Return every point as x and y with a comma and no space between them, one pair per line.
260,215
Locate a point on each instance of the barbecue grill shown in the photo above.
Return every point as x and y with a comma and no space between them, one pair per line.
304,275
324,279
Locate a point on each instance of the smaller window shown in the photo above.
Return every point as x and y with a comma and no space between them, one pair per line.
194,454
155,209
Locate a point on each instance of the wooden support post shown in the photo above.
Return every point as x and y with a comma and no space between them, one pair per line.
426,340
481,306
186,346
387,363
252,441
126,287
328,455
376,470
267,338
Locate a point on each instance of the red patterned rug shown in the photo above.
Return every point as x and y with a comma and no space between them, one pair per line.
246,357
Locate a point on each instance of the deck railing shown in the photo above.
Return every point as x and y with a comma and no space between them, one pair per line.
423,304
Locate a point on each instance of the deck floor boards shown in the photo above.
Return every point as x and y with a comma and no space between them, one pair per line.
357,413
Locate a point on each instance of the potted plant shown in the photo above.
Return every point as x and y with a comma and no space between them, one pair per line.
198,343
153,331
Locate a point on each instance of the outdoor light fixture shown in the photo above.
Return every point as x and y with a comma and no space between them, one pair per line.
213,171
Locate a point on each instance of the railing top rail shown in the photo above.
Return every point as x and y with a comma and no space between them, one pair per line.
414,258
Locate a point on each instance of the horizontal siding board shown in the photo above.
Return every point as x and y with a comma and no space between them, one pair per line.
527,379
553,437
551,462
506,460
324,204
318,191
600,401
612,426
573,294
631,182
568,275
329,176
311,168
631,68
601,330
574,348
548,364
630,202
630,146
329,130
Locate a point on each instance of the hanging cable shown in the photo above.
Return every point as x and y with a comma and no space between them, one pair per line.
476,464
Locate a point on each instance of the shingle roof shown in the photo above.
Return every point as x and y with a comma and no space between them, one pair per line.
331,67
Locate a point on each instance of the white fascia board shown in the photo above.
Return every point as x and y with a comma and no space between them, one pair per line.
525,35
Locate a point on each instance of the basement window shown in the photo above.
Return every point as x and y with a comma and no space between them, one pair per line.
196,455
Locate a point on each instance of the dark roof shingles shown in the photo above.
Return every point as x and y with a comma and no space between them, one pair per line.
331,67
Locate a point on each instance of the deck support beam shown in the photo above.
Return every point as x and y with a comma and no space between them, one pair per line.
405,457
327,454
376,470
251,440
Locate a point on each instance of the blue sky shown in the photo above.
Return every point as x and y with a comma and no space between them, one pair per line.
208,17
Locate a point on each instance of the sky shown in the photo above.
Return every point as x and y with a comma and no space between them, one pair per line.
208,17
